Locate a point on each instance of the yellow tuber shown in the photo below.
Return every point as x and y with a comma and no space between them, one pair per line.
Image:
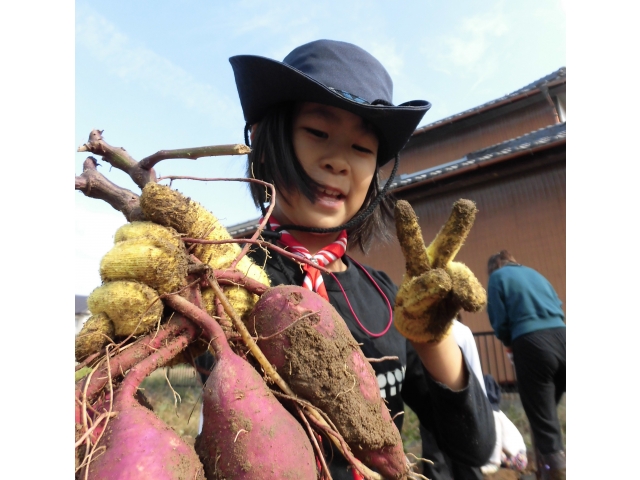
96,332
132,307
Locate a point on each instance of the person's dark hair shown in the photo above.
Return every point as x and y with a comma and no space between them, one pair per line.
272,159
499,260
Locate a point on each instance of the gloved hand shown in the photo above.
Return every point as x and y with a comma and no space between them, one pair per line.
434,288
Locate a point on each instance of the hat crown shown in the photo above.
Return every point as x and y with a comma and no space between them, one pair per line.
343,66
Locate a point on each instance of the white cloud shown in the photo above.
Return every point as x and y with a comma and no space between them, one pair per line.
389,56
276,18
472,49
137,63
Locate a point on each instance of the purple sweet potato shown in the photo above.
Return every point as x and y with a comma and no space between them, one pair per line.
246,433
309,344
137,444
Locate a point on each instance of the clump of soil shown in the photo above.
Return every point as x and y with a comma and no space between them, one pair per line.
319,369
313,350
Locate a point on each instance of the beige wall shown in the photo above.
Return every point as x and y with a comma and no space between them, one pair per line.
446,144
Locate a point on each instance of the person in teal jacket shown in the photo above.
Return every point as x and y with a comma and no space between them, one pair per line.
527,317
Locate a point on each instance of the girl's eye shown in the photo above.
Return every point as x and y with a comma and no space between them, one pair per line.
317,133
362,149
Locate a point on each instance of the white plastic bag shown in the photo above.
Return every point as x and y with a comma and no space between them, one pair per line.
512,441
496,457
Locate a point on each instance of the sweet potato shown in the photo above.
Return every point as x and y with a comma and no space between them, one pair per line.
137,444
246,433
311,347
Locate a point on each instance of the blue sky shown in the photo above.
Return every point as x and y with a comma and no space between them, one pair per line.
155,75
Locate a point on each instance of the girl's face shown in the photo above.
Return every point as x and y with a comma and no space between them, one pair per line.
339,151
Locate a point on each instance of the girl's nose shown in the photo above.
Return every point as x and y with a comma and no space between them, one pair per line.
336,164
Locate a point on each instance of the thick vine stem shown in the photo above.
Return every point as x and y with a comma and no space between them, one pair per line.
146,367
226,277
95,185
122,362
118,157
193,153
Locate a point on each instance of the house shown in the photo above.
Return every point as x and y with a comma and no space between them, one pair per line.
82,312
507,155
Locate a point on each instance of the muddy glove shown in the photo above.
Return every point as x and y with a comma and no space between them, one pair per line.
434,288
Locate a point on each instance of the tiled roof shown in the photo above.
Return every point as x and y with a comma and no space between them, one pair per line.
560,74
240,228
557,76
544,136
553,134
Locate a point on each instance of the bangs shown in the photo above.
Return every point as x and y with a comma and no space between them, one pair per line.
273,160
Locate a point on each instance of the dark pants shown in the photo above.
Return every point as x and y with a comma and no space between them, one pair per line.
443,468
540,360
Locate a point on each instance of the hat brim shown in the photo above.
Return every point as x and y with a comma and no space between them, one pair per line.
263,82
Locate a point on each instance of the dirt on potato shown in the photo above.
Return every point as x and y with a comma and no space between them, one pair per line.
320,368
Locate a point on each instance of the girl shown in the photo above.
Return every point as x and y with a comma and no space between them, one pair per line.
322,124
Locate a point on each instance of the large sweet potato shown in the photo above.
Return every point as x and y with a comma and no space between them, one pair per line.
311,347
246,433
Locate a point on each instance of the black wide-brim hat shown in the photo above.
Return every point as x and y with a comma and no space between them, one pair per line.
333,73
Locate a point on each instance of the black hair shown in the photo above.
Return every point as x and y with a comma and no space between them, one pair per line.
272,159
499,260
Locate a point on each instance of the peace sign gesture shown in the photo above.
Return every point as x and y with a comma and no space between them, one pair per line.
434,288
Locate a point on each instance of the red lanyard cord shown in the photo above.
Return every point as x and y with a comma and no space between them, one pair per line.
374,335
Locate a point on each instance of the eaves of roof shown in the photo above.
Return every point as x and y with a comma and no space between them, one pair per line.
243,228
529,143
541,85
532,142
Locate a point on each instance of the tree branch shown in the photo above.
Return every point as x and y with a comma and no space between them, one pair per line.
95,185
193,153
118,157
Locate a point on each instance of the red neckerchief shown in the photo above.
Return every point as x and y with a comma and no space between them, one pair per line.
313,278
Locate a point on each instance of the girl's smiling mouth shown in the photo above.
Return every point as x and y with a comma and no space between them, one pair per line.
329,197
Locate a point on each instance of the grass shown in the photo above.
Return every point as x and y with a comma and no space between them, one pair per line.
510,405
411,433
184,415
512,408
